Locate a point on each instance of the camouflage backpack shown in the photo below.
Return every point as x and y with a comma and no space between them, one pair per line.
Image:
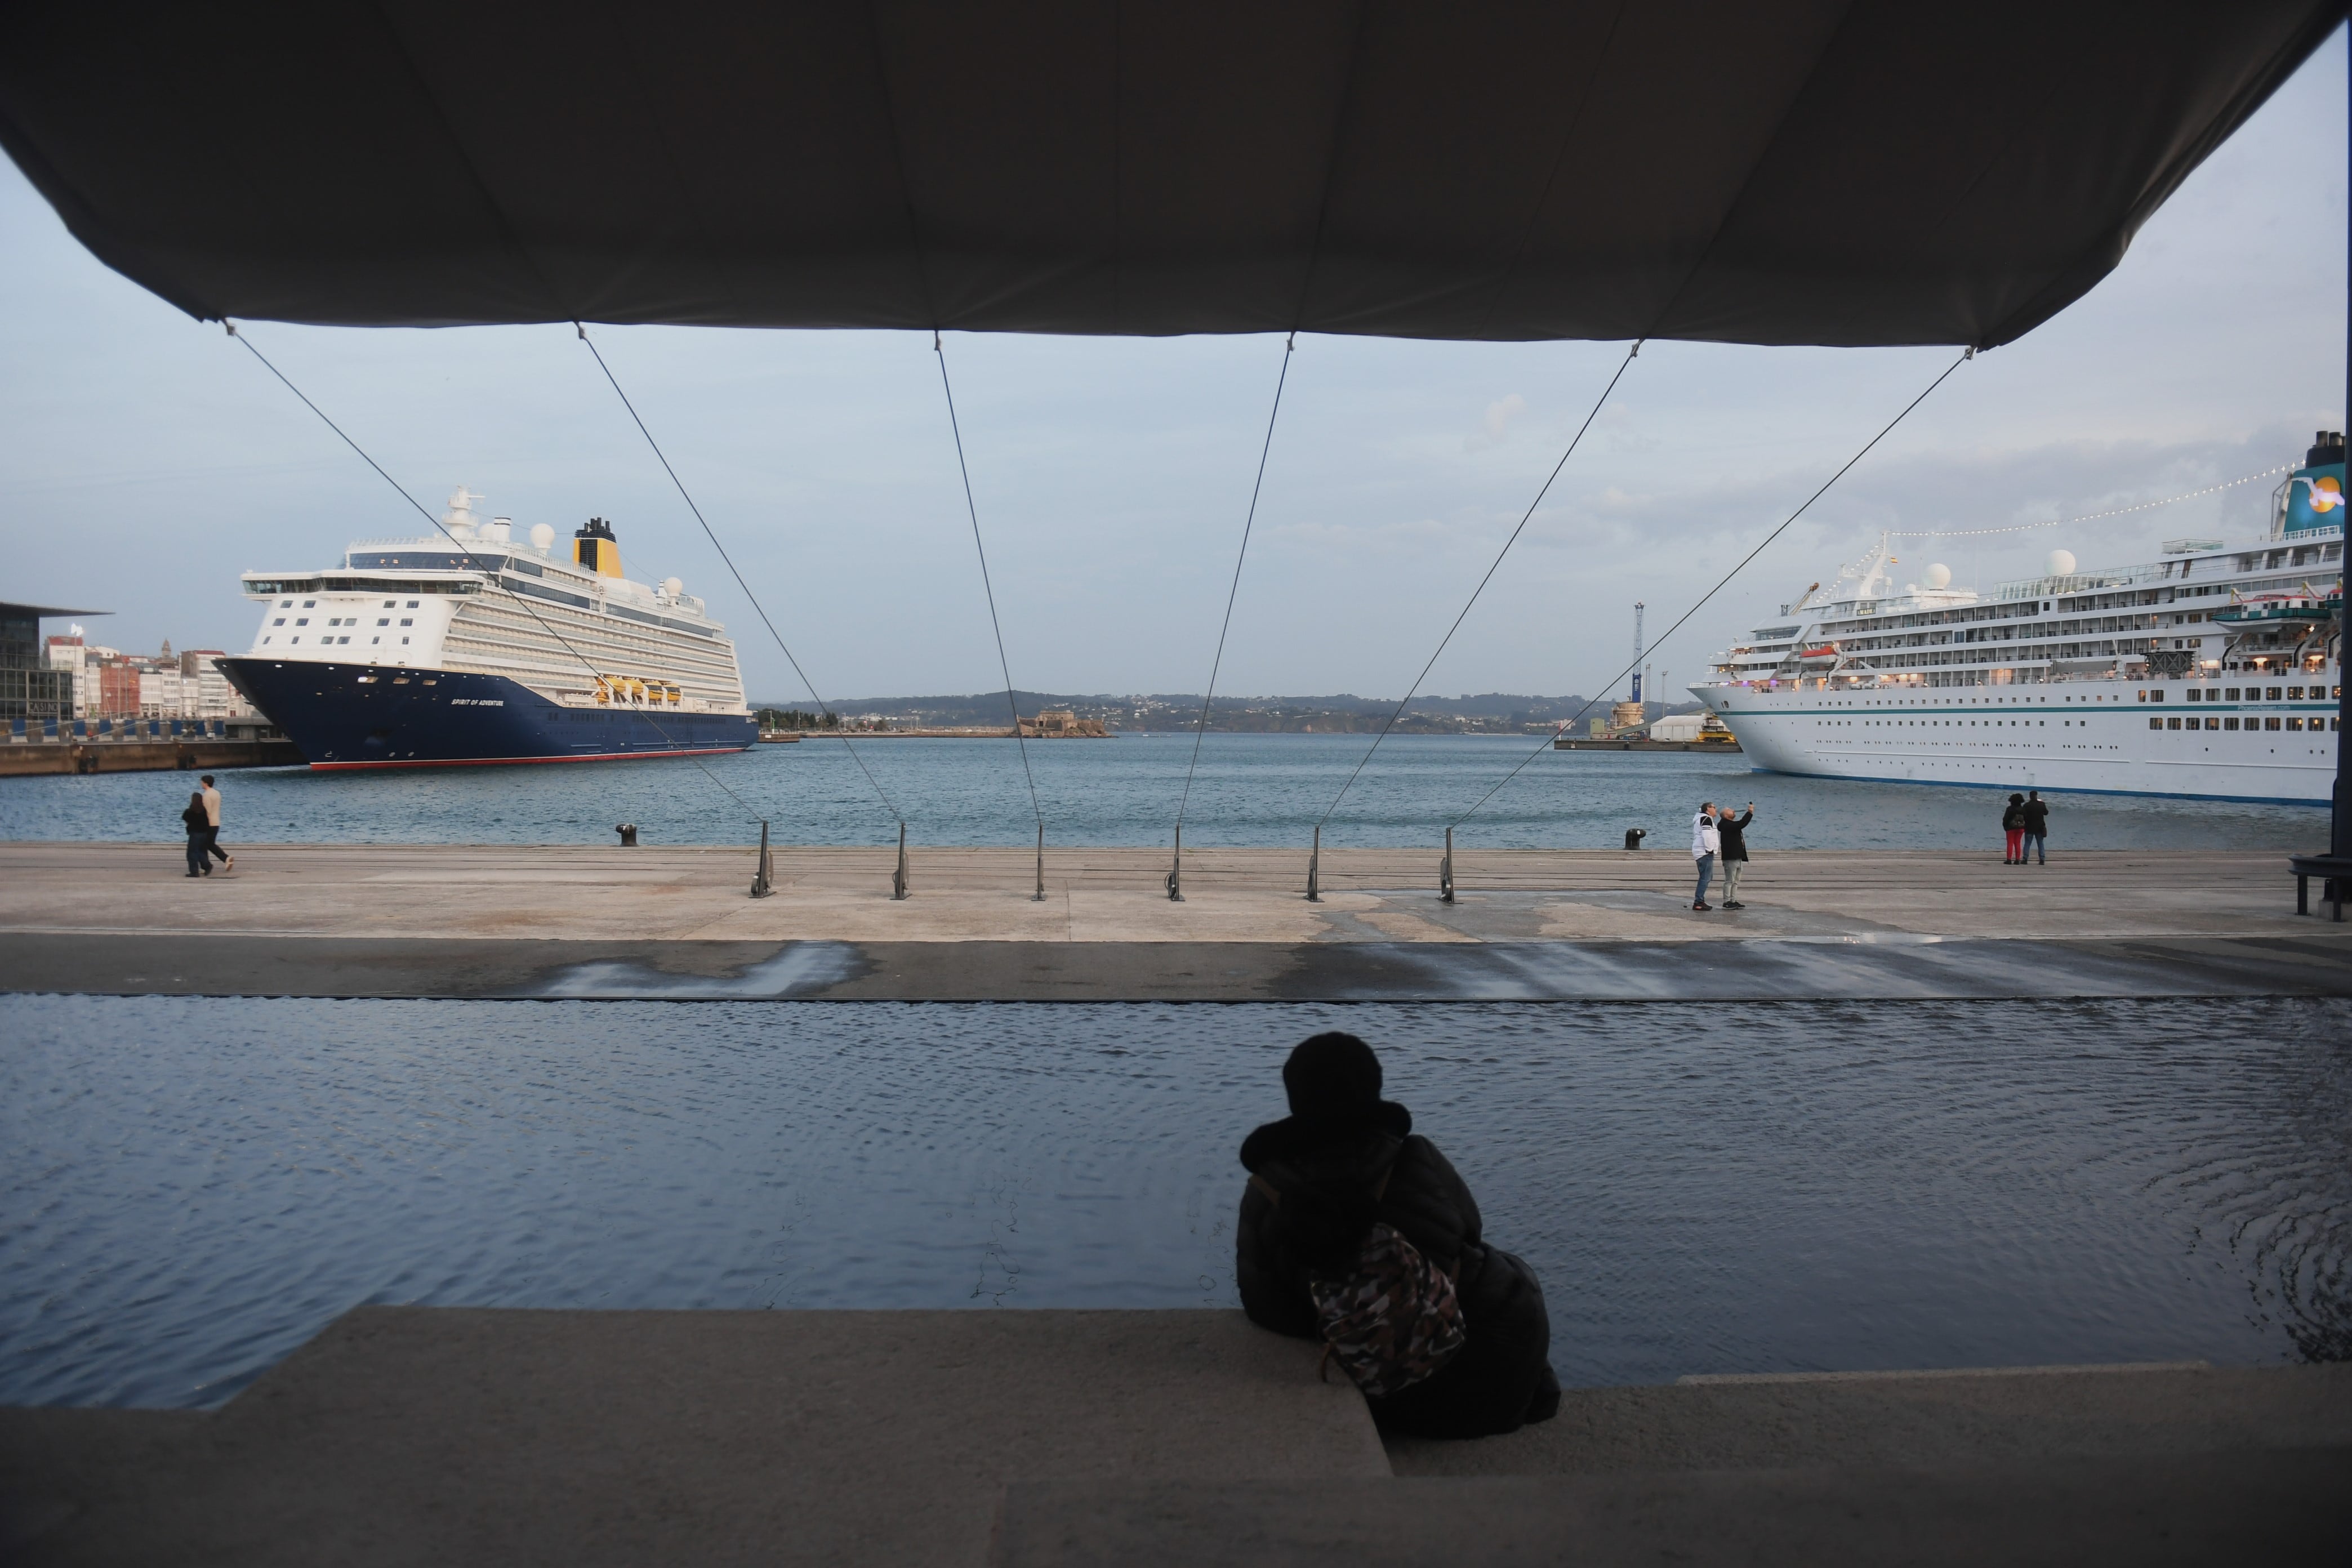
1392,1320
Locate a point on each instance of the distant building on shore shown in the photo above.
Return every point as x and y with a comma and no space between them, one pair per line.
1061,724
102,682
1700,726
29,688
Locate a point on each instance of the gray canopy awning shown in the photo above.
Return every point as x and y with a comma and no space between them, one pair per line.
1796,171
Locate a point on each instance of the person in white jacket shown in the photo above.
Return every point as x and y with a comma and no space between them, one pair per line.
1705,842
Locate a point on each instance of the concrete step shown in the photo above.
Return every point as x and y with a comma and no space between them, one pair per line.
2282,1508
458,1436
455,1436
1912,1418
1758,968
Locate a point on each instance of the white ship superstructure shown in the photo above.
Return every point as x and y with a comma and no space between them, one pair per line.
2212,672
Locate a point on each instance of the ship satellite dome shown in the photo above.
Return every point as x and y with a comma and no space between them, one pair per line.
543,538
673,586
1938,575
2062,564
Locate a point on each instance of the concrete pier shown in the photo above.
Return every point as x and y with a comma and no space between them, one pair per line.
456,1438
109,755
505,920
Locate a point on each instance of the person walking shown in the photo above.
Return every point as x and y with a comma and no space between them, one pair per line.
2013,822
1355,1231
2036,811
1706,840
212,835
199,827
1732,830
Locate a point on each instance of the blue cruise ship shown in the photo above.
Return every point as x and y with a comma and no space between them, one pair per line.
478,648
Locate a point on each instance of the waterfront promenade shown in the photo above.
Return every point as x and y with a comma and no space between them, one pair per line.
461,1436
490,921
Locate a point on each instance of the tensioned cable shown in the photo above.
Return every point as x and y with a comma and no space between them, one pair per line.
438,527
1611,683
1248,522
1595,412
2088,517
969,506
663,459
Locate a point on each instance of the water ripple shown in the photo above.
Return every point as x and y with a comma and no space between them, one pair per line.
193,1187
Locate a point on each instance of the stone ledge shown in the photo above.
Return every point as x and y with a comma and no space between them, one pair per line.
460,1436
2280,1509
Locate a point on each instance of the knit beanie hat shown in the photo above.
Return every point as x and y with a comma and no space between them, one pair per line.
1332,1077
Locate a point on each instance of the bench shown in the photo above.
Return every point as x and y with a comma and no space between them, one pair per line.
2335,868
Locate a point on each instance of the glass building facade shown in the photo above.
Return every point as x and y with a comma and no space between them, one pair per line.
29,688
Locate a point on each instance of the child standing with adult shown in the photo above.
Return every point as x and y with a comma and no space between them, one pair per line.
2013,823
198,823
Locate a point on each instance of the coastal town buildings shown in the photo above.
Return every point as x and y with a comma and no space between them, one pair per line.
94,681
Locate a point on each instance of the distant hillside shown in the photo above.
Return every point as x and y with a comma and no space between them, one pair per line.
1493,712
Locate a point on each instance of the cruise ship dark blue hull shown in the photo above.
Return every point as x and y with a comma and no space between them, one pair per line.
366,716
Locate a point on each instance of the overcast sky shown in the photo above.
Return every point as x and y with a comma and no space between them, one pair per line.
145,461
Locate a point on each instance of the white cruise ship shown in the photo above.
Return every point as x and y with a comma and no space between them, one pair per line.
2213,673
476,648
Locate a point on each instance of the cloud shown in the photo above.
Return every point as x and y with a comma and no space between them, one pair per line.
1497,425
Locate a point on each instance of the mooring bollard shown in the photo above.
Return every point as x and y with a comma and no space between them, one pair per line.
1633,836
628,832
1176,872
763,881
1313,866
898,876
1039,896
1445,871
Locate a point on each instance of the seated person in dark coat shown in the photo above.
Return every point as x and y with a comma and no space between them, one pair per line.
1345,1152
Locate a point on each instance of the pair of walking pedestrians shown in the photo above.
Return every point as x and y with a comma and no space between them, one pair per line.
1719,836
202,818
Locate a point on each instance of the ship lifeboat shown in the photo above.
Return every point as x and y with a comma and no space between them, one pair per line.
2273,609
1826,653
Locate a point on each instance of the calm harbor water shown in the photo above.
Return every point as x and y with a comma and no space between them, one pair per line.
1252,789
193,1187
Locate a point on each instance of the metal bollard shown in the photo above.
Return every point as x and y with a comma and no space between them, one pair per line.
1176,872
898,876
1445,871
1314,867
763,881
628,832
1633,836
